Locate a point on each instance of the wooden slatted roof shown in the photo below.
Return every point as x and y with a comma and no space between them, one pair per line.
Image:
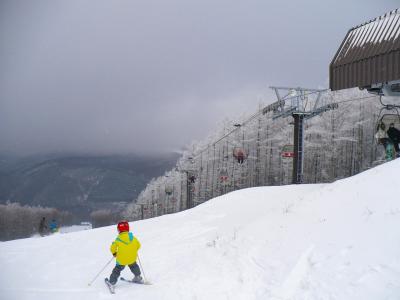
369,54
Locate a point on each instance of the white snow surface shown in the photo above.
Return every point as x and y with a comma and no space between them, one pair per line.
322,241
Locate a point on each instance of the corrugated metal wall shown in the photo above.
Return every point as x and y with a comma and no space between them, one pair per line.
369,54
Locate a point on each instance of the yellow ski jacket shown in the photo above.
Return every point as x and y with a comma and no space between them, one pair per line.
126,247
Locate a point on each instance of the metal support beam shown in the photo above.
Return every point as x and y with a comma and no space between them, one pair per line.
189,200
141,211
301,107
297,176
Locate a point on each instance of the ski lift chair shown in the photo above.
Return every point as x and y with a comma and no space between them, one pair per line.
287,151
192,178
168,190
224,176
388,119
240,154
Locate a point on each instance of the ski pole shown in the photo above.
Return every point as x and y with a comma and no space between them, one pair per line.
90,283
141,267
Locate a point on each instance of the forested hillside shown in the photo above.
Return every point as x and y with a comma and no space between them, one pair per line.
78,184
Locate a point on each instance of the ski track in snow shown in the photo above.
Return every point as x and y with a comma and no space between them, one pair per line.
334,241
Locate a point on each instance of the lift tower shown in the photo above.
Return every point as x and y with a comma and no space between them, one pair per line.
301,104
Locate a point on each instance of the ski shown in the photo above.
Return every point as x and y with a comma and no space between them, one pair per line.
110,286
137,282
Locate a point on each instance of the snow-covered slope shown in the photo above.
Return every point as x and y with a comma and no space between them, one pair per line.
332,241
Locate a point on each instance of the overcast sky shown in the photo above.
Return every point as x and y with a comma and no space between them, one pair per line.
127,76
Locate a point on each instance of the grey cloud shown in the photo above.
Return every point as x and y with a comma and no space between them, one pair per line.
125,76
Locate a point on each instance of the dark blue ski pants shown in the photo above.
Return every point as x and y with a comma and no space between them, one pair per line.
117,271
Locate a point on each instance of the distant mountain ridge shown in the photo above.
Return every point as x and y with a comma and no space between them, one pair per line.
79,184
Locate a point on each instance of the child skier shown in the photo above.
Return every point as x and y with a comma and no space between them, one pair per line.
124,249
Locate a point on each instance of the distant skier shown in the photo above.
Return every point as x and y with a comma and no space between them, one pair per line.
53,226
124,249
394,134
42,227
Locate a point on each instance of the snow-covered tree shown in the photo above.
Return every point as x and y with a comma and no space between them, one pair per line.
247,153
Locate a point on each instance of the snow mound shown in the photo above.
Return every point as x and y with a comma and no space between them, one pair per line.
323,241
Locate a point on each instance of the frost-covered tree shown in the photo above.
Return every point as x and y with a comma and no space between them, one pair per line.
18,221
338,143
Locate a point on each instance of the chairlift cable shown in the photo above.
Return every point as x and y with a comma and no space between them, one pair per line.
261,111
354,99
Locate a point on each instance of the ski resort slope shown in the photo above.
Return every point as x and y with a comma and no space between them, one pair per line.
325,241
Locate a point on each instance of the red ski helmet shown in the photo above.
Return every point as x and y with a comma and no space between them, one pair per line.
123,226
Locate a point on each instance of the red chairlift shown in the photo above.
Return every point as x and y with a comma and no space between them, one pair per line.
223,176
288,151
240,154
